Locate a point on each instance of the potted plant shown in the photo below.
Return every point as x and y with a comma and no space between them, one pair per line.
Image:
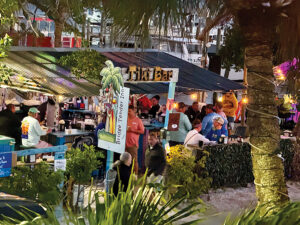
80,165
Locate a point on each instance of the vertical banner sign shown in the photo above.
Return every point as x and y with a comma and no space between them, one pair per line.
5,164
115,141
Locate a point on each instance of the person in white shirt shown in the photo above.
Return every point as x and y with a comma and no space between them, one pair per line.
193,137
32,131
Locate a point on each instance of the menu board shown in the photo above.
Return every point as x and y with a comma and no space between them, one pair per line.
173,124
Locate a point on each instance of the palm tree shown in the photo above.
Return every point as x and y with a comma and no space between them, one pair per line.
63,12
112,81
262,23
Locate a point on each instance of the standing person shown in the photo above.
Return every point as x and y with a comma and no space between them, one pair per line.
193,137
135,127
219,110
178,137
230,105
155,159
155,106
10,125
32,131
193,112
207,122
123,169
216,132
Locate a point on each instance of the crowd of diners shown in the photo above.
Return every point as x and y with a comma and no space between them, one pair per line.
196,127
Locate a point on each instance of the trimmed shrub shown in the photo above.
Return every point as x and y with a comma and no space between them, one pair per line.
231,165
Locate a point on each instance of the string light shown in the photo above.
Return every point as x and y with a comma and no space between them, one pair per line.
194,96
265,114
220,99
60,98
175,105
245,100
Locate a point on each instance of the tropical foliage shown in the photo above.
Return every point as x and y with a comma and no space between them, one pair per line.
84,64
111,78
5,72
183,171
233,51
262,23
289,214
63,12
40,183
7,10
146,206
80,164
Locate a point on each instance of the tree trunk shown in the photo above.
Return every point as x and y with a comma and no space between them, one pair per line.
264,127
59,26
268,171
226,74
296,159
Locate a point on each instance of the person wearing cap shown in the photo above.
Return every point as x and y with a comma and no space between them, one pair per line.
207,122
193,137
178,137
216,132
10,124
32,131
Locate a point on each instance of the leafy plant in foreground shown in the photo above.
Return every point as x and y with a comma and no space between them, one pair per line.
40,183
146,207
288,215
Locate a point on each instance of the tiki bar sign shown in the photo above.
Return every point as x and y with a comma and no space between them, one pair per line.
135,74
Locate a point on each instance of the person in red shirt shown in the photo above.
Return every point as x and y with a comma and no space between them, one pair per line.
135,127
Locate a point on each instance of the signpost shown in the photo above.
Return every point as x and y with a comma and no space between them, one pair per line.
117,144
115,98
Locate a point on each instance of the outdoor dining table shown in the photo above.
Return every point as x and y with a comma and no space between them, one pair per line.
67,136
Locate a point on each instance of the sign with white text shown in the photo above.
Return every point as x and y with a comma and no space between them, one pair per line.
114,139
5,164
60,164
136,74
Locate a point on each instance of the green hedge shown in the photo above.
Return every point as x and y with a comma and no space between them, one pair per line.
231,165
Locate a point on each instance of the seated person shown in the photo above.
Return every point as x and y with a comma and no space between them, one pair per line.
207,122
123,168
155,159
32,131
216,132
193,137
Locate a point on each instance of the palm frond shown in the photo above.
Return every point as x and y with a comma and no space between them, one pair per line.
133,17
289,32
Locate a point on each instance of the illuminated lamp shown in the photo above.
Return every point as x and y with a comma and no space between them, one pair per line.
220,99
245,100
194,96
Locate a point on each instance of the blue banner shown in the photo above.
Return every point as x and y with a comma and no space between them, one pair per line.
5,164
